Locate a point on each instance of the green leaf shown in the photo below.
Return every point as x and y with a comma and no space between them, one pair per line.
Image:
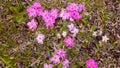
93,27
82,34
20,19
14,9
71,53
80,64
20,6
73,65
60,65
89,39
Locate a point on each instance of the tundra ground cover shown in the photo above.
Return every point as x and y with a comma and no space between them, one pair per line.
60,34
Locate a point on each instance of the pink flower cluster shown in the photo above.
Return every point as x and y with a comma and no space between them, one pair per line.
48,16
91,63
72,11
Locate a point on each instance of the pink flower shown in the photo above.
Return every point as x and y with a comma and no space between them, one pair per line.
37,6
45,14
61,53
68,41
48,65
40,38
54,13
31,12
64,15
32,24
34,10
55,59
91,63
49,20
71,27
39,12
75,15
72,7
75,32
81,7
65,63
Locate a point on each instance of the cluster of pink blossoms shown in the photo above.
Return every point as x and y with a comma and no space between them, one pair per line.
34,11
48,16
72,12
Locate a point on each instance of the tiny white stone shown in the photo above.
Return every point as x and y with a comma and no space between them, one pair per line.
58,35
94,34
105,38
64,33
